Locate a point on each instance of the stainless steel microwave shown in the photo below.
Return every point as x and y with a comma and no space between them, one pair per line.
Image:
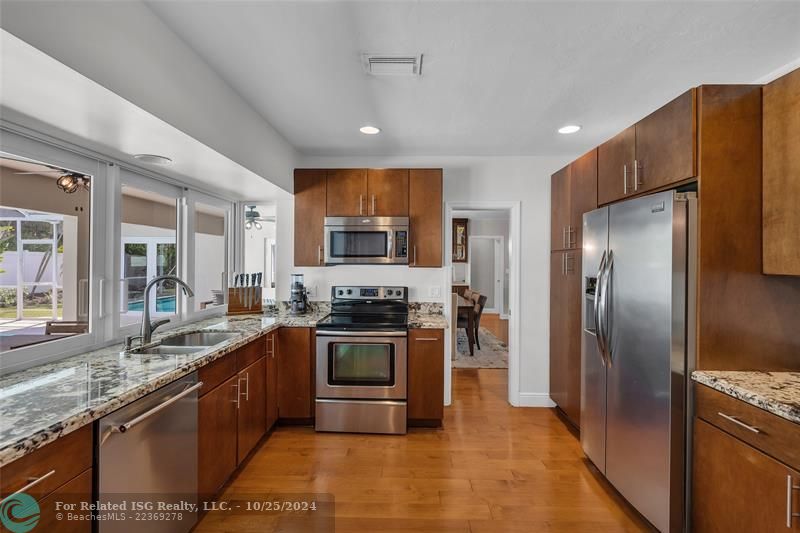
366,240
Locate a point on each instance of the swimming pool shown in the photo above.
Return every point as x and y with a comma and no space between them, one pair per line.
164,304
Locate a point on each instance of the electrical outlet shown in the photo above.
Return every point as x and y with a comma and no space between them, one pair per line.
311,291
435,292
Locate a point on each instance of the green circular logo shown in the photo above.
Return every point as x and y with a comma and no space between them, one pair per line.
20,513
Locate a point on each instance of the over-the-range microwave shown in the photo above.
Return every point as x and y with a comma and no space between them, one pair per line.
366,240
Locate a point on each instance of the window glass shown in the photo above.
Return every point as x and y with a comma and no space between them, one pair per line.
209,256
44,253
149,249
259,245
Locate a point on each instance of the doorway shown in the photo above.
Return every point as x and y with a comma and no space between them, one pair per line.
489,268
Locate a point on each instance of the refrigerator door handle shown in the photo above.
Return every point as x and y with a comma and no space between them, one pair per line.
605,323
596,314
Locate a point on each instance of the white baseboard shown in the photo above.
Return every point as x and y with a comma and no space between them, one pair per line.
535,399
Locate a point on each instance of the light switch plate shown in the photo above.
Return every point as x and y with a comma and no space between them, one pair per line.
435,292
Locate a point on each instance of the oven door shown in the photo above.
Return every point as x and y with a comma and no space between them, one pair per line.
361,365
358,240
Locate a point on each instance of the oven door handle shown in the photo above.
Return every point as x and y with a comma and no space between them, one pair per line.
329,333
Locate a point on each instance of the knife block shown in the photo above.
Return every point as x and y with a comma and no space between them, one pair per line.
237,301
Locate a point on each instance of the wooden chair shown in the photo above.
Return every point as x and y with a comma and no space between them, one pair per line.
468,293
479,305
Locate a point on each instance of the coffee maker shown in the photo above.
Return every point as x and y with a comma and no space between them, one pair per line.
298,299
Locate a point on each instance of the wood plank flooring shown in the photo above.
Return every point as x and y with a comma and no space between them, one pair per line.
493,468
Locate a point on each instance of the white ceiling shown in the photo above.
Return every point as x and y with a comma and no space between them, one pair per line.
498,77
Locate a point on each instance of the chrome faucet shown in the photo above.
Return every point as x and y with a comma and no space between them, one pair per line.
146,333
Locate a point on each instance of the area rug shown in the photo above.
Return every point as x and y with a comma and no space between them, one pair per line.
493,352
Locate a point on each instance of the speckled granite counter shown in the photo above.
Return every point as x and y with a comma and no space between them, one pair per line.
776,392
43,403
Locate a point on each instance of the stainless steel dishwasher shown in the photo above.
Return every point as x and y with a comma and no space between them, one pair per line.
147,457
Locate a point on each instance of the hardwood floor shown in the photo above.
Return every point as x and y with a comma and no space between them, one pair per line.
498,326
493,468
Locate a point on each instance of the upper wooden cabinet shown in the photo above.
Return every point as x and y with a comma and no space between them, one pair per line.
781,130
309,216
666,147
659,150
573,192
387,192
615,159
425,217
347,192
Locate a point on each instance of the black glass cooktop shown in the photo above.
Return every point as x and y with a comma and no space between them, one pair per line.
364,322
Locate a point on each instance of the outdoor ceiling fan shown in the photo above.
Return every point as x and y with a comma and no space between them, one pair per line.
253,218
69,182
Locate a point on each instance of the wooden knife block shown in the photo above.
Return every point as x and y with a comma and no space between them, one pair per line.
237,301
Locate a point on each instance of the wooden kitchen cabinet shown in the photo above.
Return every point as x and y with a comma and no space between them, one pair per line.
271,368
387,192
425,217
615,160
666,146
346,193
565,333
74,492
294,373
559,208
252,413
425,377
582,195
217,415
738,488
781,164
309,216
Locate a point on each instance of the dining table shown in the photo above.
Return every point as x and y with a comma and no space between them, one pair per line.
466,308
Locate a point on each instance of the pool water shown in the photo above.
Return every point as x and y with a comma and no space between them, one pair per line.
164,304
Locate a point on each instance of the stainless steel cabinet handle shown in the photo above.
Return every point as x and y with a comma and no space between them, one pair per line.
739,423
563,264
373,204
415,255
564,237
789,514
569,264
122,428
360,204
427,339
625,178
29,486
636,175
271,345
247,386
236,386
319,255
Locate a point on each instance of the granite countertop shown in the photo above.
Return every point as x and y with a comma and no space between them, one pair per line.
776,392
43,403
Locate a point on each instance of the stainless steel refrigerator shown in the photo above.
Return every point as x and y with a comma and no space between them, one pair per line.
636,354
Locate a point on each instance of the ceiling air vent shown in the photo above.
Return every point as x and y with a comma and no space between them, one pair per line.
392,65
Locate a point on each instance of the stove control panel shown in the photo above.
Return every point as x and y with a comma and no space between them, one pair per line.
369,293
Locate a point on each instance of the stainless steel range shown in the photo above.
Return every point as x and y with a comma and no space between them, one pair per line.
362,361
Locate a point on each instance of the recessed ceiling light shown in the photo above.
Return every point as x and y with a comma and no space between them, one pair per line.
153,159
570,128
369,130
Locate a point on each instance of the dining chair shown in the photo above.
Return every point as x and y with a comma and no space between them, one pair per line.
467,293
479,305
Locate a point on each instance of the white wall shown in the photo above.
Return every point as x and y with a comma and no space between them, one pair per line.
523,179
209,266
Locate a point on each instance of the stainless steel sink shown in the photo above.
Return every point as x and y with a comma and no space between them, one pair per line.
168,350
200,338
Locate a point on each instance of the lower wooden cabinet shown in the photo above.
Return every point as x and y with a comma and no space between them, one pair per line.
425,377
271,367
70,494
565,333
217,440
738,488
252,407
294,373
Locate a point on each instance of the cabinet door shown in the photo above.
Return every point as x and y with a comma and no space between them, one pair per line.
559,329
216,443
666,148
295,393
615,159
583,195
559,208
738,488
346,193
309,217
387,192
426,375
572,364
781,224
252,415
76,492
272,381
425,217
